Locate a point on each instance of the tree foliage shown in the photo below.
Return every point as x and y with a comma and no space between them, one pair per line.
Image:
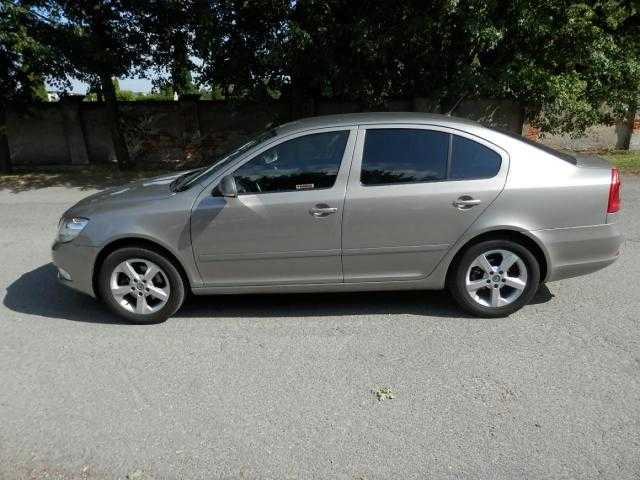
239,44
570,64
24,64
168,25
24,60
573,64
96,40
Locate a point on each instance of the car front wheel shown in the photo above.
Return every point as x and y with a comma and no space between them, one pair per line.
140,285
495,278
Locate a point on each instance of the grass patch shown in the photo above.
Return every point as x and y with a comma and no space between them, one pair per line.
627,162
85,178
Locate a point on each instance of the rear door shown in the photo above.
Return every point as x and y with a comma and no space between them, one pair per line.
412,192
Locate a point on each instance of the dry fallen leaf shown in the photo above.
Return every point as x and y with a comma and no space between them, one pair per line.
384,393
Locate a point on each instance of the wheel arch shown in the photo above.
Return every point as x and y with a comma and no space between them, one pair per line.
141,243
517,236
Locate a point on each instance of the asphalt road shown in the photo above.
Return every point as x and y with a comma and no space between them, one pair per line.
282,386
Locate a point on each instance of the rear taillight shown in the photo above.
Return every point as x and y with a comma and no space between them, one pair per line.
614,192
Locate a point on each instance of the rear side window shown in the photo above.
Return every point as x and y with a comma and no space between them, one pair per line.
471,160
304,163
397,155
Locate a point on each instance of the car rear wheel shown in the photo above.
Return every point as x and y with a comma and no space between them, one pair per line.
140,285
495,278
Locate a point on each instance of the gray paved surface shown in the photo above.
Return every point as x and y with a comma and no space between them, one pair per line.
281,387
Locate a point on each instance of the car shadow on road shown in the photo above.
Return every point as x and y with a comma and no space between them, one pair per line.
38,293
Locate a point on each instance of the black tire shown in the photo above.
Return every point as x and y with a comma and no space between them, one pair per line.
457,278
176,293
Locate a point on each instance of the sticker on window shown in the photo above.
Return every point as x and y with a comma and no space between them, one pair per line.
305,186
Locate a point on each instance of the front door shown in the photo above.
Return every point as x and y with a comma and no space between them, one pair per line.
285,225
413,191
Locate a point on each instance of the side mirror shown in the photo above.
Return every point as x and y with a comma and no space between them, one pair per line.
227,187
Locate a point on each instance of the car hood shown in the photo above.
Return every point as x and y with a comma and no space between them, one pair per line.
150,189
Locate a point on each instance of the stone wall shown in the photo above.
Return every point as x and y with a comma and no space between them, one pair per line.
157,132
191,131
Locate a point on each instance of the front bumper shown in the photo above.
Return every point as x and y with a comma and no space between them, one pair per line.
75,265
580,250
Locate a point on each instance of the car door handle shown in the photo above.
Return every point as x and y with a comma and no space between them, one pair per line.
322,210
465,202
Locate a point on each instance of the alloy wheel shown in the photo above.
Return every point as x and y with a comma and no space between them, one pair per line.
496,278
139,286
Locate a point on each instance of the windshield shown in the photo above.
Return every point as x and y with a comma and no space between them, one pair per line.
226,158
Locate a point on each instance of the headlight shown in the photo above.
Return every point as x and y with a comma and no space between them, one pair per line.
70,228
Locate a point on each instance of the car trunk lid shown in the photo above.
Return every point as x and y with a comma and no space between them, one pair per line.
591,161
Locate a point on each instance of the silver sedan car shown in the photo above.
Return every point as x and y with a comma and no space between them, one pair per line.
376,201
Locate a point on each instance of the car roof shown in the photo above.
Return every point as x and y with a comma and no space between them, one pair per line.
373,118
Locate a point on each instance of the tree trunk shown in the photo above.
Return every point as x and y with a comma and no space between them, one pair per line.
97,89
302,100
624,128
5,153
113,117
180,74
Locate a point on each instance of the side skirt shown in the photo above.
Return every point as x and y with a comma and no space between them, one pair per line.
424,284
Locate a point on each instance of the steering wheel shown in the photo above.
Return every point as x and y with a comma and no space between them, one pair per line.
248,186
271,158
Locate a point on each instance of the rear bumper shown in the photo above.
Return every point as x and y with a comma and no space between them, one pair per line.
75,265
580,250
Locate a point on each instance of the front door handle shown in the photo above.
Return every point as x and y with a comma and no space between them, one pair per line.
466,202
322,210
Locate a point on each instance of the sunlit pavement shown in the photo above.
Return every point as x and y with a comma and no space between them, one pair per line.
284,386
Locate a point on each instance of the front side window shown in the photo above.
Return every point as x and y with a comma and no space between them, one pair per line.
190,178
397,155
304,163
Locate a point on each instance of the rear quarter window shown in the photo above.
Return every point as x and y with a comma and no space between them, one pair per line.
472,160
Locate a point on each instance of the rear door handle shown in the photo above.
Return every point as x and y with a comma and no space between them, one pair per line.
466,202
322,210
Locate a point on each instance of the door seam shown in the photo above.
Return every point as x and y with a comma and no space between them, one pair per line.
344,203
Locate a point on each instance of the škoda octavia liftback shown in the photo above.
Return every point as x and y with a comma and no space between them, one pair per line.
379,201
